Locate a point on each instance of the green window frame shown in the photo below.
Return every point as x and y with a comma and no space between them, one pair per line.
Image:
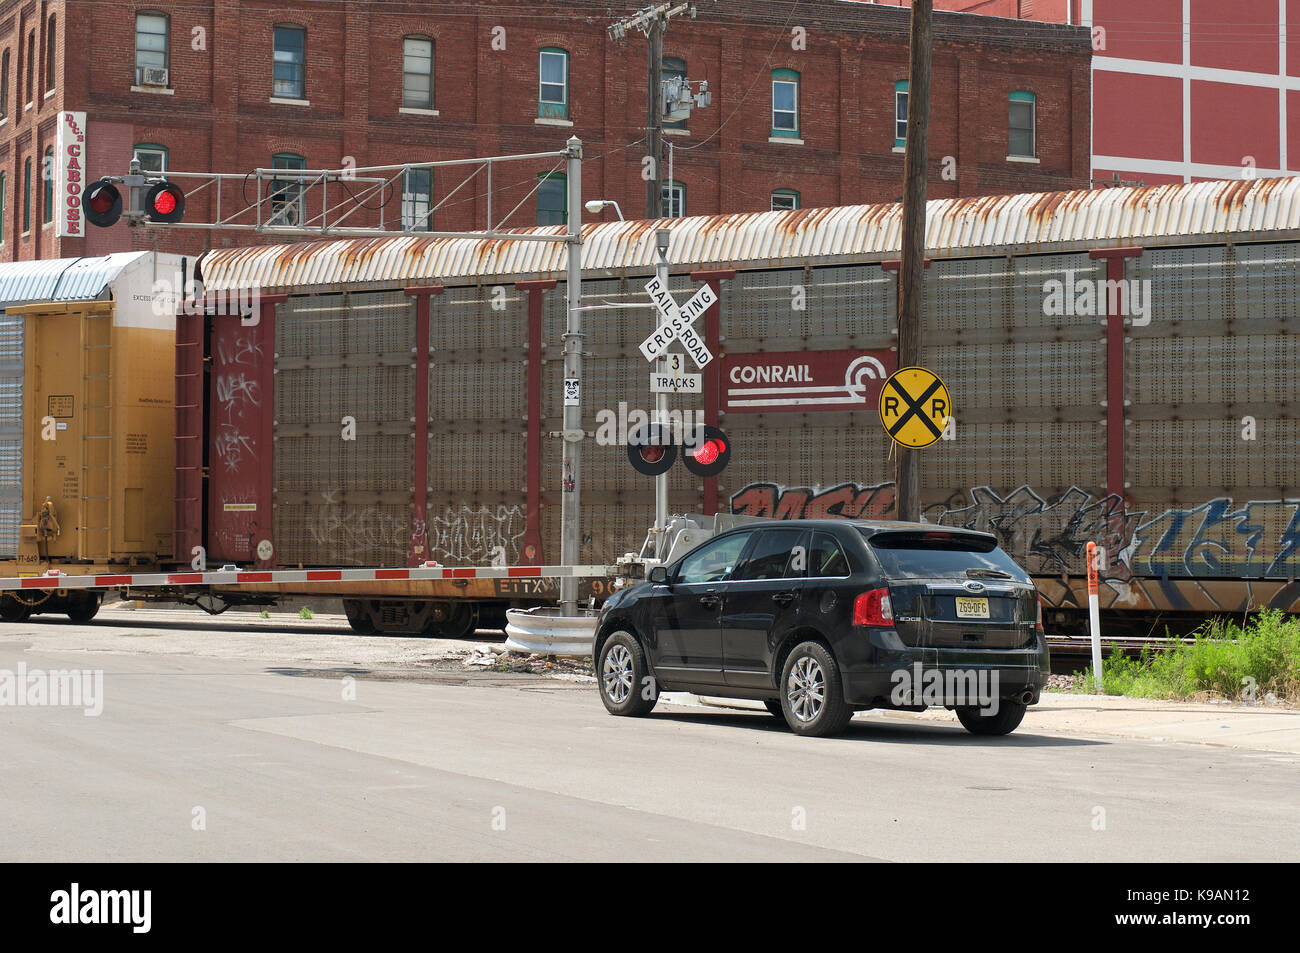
553,199
27,195
900,114
47,189
552,83
674,199
1021,138
785,103
785,200
287,194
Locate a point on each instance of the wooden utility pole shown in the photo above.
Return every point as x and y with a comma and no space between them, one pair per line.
908,506
654,187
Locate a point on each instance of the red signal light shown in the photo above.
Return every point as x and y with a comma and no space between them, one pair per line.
164,203
709,454
103,203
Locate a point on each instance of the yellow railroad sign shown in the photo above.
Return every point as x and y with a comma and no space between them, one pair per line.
914,407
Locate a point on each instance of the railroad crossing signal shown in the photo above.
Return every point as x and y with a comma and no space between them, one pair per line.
161,201
914,407
678,323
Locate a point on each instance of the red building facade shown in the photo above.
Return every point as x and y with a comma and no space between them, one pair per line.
231,86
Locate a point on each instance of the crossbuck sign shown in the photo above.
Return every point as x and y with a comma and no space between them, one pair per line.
678,323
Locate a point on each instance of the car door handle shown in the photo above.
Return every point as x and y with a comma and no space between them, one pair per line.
709,602
783,598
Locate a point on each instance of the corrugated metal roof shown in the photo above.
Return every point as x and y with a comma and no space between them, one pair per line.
963,227
61,279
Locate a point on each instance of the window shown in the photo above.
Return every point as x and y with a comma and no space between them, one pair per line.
417,72
770,555
714,562
31,57
27,195
417,197
785,103
51,46
150,43
4,84
674,69
552,200
47,192
674,200
290,54
826,558
553,84
900,114
1021,139
287,193
153,158
785,200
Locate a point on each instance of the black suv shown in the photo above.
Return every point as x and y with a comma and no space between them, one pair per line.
822,618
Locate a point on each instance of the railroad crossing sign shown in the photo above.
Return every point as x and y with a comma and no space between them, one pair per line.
678,323
914,407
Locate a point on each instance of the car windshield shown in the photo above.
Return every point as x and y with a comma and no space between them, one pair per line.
938,554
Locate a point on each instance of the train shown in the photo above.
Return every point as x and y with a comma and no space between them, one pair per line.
1123,365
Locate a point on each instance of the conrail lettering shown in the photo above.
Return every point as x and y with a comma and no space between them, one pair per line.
771,374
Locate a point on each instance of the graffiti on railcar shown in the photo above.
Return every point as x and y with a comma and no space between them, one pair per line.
483,535
1217,538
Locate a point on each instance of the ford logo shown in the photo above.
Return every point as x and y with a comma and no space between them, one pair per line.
974,587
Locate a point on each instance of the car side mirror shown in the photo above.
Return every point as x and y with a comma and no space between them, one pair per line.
658,574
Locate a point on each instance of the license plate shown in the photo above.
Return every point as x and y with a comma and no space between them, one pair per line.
968,608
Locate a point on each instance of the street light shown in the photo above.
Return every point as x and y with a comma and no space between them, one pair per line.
596,206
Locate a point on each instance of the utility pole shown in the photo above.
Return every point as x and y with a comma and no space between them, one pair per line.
570,523
653,21
654,187
912,269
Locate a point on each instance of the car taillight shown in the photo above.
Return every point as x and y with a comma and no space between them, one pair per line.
873,608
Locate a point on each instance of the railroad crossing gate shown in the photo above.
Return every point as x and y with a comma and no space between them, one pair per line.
914,407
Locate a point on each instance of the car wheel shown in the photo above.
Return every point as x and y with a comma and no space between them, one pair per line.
626,687
774,707
812,692
1002,722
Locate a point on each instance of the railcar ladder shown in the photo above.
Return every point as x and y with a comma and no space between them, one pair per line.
95,538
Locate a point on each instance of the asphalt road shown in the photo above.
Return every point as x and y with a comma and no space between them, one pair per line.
330,747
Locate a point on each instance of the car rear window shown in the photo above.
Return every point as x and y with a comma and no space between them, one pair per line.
922,554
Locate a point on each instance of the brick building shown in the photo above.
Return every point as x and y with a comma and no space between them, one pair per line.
1183,90
805,111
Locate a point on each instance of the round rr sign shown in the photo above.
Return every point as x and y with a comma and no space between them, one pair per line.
914,407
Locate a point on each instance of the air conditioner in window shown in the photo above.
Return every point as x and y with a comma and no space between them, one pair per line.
154,76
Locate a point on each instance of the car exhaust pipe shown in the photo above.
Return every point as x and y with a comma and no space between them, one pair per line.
1026,697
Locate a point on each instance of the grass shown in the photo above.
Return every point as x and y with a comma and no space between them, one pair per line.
1224,660
305,613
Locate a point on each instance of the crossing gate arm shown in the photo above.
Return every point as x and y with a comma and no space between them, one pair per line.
235,577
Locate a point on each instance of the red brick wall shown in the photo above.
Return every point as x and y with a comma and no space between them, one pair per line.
221,119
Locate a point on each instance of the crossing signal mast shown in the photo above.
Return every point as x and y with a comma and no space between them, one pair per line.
150,199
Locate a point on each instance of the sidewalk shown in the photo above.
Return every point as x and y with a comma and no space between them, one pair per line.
1256,727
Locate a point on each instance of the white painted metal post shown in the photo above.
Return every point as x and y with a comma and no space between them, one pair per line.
661,404
570,477
1094,613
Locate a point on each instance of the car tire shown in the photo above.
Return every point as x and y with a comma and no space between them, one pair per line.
1004,721
774,708
623,677
812,692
